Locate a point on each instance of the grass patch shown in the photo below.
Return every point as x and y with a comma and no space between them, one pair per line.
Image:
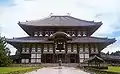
113,69
16,70
110,70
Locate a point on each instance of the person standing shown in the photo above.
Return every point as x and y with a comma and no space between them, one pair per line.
60,62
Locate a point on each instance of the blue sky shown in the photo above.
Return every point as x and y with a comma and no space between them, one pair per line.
6,2
3,2
107,11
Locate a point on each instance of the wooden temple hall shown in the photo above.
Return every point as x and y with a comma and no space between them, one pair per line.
59,37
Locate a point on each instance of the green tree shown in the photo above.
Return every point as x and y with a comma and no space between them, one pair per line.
108,53
4,53
117,53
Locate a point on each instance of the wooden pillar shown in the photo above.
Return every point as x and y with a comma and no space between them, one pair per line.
75,58
69,58
88,63
99,64
45,58
66,58
56,58
53,58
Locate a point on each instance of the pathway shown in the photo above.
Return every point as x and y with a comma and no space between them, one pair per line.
56,70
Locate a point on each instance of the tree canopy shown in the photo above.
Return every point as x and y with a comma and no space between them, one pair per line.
117,53
4,53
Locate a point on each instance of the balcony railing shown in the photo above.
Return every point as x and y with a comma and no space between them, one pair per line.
58,51
46,51
70,51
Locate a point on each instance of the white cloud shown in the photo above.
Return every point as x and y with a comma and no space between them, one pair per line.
105,10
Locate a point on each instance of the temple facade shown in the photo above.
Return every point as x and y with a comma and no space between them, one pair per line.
58,37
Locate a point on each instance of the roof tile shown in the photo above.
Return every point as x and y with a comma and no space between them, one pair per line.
60,21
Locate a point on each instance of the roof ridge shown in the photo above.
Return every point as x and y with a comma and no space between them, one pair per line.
60,15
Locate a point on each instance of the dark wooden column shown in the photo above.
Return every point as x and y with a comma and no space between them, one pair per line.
54,53
45,58
56,58
53,58
65,58
69,58
66,55
78,53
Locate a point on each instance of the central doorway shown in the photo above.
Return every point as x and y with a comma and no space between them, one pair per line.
58,57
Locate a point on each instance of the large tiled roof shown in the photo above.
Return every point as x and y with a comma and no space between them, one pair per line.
74,40
60,21
29,40
92,40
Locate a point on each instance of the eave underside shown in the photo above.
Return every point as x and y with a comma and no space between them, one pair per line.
30,29
74,40
77,40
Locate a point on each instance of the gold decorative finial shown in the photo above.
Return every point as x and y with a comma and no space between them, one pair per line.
68,14
51,14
